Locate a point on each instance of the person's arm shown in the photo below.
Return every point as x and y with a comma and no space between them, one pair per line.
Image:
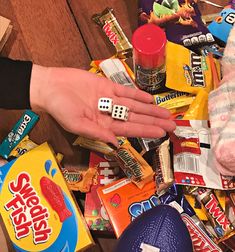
71,96
15,78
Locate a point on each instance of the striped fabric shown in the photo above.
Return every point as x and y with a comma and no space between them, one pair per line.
221,109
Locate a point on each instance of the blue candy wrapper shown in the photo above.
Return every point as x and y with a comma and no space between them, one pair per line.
18,132
222,25
175,198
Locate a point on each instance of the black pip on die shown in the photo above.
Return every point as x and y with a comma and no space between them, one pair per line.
119,112
105,105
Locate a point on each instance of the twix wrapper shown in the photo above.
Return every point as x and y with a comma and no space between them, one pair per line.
114,32
222,226
133,164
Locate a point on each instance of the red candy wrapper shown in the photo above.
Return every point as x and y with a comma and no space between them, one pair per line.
194,162
94,212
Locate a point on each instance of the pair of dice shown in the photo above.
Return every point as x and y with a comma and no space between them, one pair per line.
118,112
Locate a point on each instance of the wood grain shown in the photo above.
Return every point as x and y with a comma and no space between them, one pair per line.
44,32
210,9
60,33
97,43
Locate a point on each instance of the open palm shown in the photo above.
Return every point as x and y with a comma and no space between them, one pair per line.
71,97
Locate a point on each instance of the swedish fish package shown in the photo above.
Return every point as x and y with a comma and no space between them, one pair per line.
37,207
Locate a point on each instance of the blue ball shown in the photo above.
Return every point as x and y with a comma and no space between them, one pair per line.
160,227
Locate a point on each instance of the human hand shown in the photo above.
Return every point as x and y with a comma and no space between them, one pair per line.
71,96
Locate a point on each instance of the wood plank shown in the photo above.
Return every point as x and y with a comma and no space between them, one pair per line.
97,43
44,32
49,32
209,9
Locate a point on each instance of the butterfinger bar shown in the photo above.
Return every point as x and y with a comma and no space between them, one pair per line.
133,165
114,32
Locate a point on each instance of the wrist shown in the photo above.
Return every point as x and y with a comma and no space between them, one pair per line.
38,87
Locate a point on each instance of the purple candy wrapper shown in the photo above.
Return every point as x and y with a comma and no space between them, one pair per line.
181,20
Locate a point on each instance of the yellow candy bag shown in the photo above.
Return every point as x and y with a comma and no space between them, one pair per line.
187,71
198,110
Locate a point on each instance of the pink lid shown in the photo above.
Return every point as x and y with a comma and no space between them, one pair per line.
149,42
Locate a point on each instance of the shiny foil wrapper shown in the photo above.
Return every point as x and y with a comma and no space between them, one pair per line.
110,26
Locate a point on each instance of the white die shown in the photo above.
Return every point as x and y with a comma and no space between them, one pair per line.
120,112
105,104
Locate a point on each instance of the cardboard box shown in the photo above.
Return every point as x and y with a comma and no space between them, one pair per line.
37,208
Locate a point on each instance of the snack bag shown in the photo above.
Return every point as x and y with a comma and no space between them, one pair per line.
221,26
124,202
194,163
36,206
198,109
193,71
181,20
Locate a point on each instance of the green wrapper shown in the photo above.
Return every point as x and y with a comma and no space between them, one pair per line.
18,132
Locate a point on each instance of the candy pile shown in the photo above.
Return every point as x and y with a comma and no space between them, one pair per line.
179,64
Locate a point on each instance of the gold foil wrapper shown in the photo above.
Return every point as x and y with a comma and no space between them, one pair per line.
109,24
93,145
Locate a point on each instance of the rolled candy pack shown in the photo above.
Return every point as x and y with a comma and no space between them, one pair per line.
162,166
118,71
133,164
221,224
109,24
18,132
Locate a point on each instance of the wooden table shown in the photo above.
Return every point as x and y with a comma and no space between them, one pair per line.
61,33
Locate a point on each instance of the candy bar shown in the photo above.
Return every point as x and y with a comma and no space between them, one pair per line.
114,32
18,132
133,164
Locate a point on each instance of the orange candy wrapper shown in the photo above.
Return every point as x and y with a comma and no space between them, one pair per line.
123,202
133,164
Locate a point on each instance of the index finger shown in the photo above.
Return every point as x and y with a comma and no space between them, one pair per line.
132,93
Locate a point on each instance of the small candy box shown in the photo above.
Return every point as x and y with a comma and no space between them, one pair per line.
37,208
108,171
124,201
